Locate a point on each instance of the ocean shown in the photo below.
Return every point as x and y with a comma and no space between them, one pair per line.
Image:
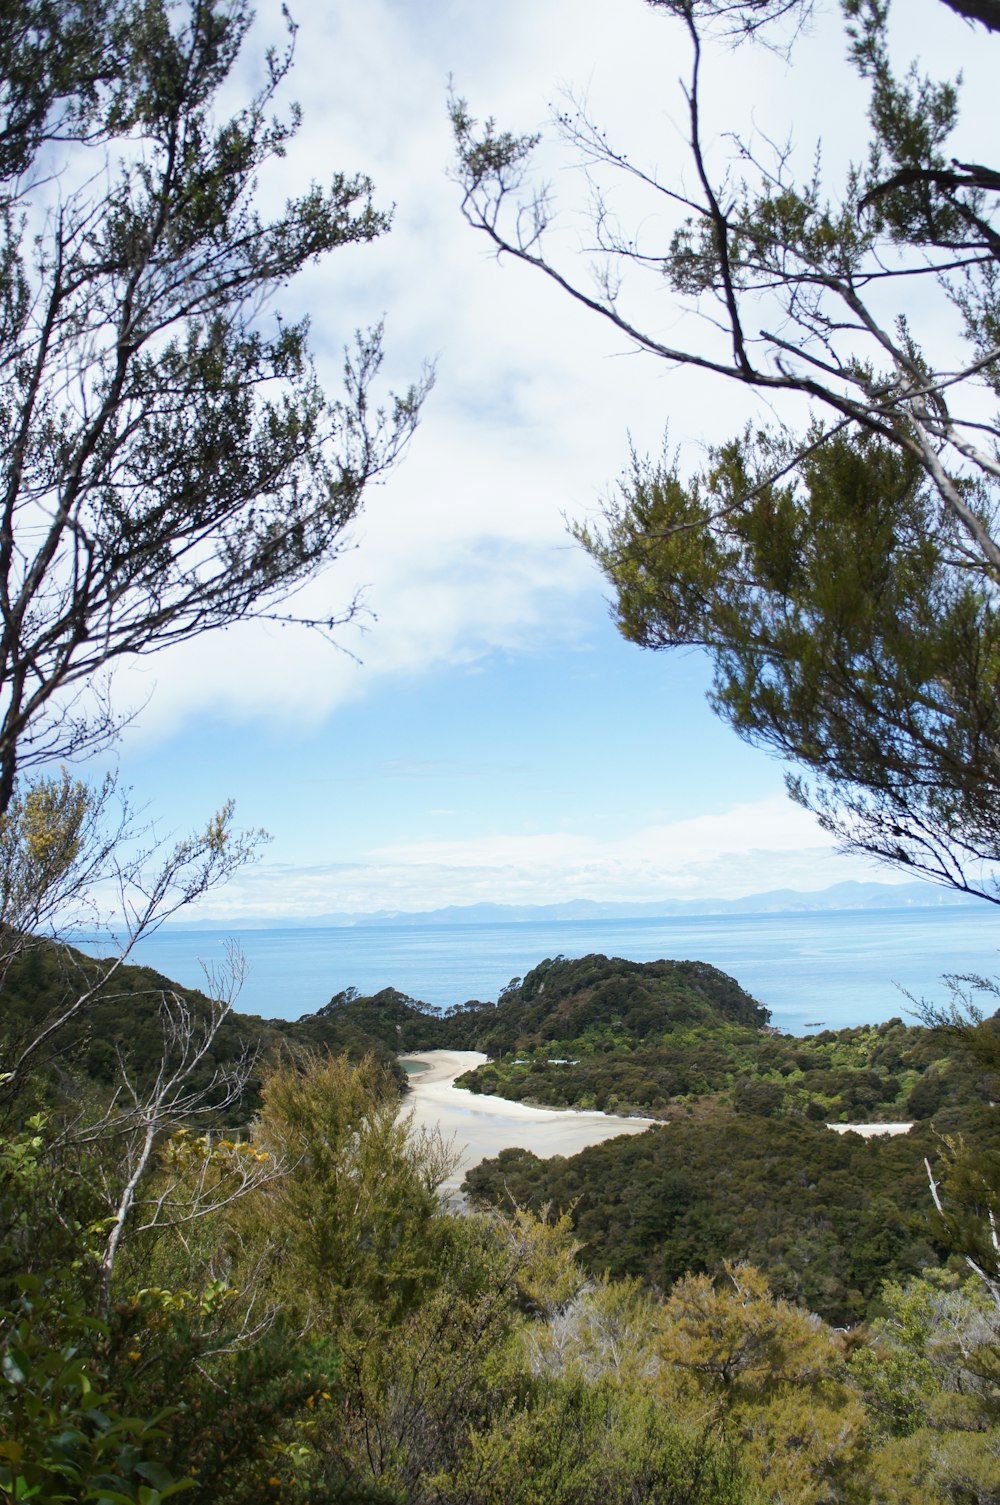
835,968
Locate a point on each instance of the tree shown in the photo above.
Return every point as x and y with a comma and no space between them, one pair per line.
845,629
171,464
194,1181
772,1373
357,1217
964,1184
57,847
738,1335
745,17
55,56
929,1384
841,573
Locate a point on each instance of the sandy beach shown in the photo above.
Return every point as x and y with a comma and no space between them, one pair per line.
483,1126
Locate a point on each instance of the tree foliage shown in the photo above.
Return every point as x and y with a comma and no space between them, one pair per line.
845,632
358,1219
171,462
170,465
829,1217
842,573
55,61
662,1038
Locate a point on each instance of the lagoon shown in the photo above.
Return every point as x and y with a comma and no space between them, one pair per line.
835,967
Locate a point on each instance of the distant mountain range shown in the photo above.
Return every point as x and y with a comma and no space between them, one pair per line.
849,895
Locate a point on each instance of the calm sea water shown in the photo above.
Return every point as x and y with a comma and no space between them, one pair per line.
836,967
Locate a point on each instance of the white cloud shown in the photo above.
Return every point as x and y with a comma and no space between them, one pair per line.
464,551
748,849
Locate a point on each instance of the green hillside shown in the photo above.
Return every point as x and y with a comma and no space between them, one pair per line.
643,1037
122,1023
652,1038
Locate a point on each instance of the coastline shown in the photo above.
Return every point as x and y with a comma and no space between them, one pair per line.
783,959
480,1127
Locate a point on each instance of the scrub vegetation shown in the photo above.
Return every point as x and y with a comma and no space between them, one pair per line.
738,1305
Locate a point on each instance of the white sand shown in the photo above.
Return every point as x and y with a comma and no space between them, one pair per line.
480,1127
483,1126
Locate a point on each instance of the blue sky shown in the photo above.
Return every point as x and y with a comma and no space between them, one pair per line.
487,735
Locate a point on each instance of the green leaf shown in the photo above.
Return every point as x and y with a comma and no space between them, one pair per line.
155,1473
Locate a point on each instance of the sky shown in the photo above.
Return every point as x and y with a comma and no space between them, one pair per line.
484,733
